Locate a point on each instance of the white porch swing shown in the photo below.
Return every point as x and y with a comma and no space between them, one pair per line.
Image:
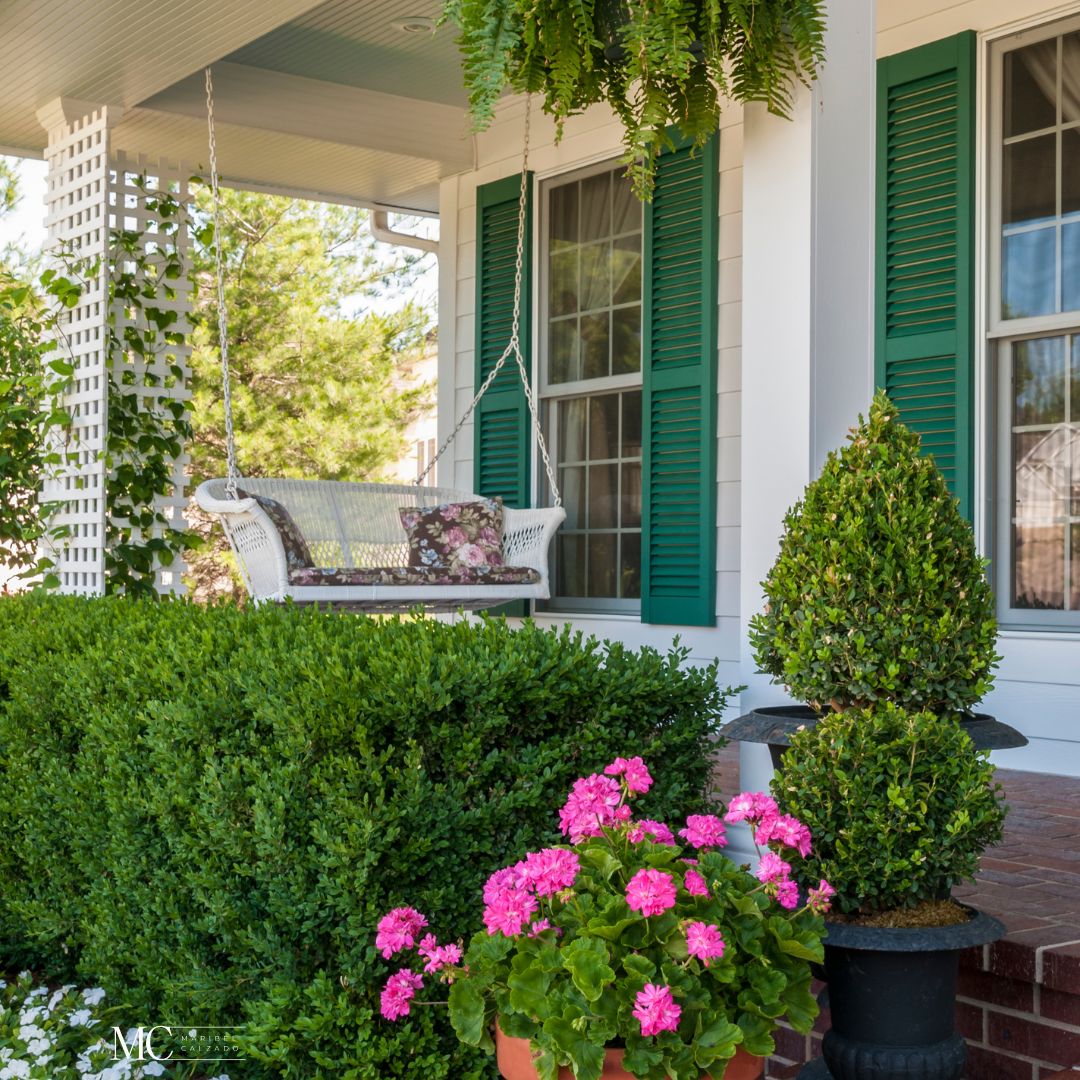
352,550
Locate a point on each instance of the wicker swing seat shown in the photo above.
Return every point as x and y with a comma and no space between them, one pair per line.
361,552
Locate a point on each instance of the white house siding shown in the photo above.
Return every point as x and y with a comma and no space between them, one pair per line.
591,138
1038,683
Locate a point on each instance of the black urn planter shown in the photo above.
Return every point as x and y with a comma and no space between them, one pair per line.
892,995
775,726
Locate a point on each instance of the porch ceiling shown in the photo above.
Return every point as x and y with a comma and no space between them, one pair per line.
332,100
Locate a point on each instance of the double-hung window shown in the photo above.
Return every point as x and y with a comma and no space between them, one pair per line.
1034,323
591,383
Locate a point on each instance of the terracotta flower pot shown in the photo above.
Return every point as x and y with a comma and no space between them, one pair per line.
515,1062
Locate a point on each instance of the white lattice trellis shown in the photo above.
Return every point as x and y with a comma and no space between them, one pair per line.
128,210
90,191
77,220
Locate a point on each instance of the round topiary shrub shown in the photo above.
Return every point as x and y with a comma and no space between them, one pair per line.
878,593
900,805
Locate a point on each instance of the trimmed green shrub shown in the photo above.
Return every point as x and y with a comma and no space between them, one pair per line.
878,593
207,811
900,805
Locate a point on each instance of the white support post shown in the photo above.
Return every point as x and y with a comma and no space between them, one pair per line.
807,308
77,219
91,191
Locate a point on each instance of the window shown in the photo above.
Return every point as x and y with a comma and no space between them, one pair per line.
1035,326
590,378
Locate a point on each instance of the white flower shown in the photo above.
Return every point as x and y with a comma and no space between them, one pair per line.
30,1031
15,1069
81,1018
36,1047
154,1068
94,996
28,1016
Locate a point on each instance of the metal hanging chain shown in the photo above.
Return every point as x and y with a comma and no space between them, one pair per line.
232,470
513,346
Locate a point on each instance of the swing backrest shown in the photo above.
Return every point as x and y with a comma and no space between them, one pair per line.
346,524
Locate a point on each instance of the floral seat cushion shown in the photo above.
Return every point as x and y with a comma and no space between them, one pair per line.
297,553
415,575
460,536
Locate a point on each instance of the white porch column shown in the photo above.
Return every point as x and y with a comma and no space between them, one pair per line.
807,306
90,191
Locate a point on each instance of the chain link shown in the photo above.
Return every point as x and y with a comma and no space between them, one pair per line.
513,347
232,470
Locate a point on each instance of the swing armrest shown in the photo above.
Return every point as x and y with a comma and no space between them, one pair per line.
527,535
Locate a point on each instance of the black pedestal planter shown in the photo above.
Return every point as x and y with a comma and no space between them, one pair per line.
776,725
892,996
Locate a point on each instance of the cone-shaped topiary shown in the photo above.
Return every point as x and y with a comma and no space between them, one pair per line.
878,593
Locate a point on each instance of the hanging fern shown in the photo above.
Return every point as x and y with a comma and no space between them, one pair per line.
656,63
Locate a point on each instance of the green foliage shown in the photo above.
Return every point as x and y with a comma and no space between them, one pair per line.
206,811
654,64
572,991
878,593
34,371
900,805
147,425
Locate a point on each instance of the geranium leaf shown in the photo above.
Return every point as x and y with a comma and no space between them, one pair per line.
586,1056
587,960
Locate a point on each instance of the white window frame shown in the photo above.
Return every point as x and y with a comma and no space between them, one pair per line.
999,335
549,393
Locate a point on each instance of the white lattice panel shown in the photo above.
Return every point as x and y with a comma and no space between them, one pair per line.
77,220
128,210
91,192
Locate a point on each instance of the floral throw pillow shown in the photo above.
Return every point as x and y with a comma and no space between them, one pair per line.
455,535
297,552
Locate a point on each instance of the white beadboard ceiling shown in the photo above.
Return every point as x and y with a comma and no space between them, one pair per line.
332,100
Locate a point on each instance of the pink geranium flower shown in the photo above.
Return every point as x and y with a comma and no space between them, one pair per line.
590,807
704,831
695,883
787,894
438,956
659,832
634,773
400,989
510,911
655,1009
703,940
786,830
820,899
398,930
772,868
502,879
550,871
750,806
652,892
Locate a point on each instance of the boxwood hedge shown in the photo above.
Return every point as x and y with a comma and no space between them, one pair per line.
205,811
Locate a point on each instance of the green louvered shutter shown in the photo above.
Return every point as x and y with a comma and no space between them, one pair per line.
924,354
502,418
679,350
501,427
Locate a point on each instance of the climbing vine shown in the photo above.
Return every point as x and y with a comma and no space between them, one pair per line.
35,371
148,421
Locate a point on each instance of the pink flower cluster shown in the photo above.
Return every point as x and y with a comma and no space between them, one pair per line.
704,831
656,830
398,930
634,773
820,899
510,895
591,807
399,991
655,1009
771,827
652,892
695,884
703,940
